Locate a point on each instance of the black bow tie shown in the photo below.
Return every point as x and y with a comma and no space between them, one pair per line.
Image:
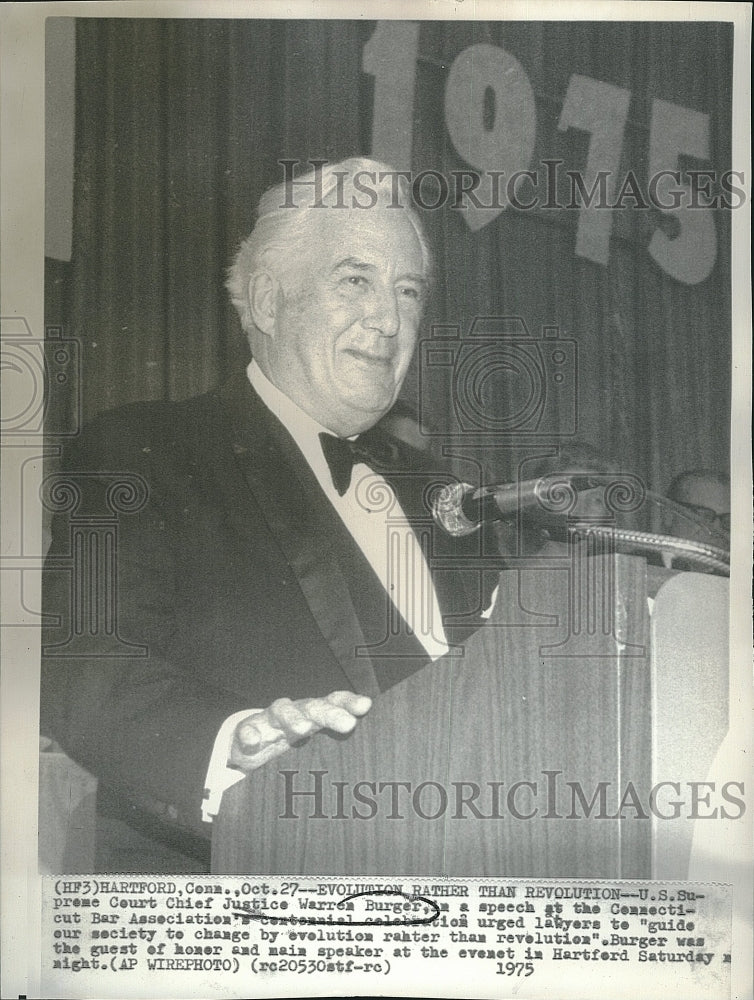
342,454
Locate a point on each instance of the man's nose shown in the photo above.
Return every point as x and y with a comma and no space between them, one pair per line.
382,312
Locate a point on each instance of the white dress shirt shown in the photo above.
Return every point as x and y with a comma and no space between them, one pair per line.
376,522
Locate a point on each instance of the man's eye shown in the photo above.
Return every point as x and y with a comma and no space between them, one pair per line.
356,280
409,292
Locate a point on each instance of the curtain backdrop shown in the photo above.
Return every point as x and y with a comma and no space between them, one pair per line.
179,128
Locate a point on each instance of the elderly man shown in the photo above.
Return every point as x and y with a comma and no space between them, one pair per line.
255,585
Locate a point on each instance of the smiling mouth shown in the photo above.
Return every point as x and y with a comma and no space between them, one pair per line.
371,359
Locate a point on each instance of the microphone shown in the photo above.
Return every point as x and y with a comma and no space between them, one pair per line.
459,509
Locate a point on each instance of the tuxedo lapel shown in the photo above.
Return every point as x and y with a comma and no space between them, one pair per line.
297,514
455,564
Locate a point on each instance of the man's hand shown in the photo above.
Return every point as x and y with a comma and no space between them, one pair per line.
261,737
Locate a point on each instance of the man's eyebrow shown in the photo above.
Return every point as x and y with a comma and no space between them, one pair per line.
353,262
360,265
418,278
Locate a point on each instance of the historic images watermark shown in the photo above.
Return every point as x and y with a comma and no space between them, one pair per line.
550,795
41,409
48,374
548,187
500,379
45,419
512,388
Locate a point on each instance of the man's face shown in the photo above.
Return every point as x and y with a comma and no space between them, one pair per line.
348,315
708,499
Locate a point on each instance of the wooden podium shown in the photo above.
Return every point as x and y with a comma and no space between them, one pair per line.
517,758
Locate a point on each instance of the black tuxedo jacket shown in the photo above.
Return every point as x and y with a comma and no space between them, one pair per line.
235,583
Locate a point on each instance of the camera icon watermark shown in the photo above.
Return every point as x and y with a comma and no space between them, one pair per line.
500,380
46,375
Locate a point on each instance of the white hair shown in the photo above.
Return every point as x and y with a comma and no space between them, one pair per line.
285,214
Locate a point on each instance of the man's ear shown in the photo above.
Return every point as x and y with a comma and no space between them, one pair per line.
262,296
